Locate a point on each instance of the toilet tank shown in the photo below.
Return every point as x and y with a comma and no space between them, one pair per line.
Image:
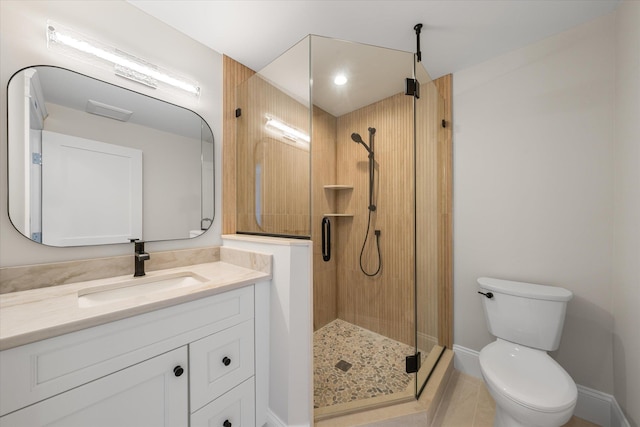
524,313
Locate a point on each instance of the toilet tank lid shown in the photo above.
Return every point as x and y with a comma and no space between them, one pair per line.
527,290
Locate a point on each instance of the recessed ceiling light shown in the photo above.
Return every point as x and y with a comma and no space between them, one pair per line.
340,79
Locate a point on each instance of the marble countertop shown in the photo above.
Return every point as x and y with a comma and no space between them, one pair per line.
38,314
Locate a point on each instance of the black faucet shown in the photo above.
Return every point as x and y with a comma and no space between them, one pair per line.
139,257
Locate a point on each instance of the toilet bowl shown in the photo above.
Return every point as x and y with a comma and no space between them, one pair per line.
529,387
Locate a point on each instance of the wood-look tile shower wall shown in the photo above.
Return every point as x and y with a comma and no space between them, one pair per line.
234,73
273,178
383,303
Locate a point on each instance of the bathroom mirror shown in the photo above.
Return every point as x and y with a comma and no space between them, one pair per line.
92,163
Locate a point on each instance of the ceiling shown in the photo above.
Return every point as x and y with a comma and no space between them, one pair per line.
456,33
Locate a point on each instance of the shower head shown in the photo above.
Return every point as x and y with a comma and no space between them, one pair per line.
357,138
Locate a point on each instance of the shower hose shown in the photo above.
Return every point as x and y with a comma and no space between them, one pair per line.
364,244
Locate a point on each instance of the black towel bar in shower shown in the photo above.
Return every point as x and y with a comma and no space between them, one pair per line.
326,239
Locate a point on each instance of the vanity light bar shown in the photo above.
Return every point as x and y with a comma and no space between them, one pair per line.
287,131
125,65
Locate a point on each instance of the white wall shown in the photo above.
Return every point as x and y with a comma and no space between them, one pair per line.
533,180
626,242
117,23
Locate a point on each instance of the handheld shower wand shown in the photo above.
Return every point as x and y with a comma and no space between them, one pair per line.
358,139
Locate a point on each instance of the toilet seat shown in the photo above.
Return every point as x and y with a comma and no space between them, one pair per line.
528,377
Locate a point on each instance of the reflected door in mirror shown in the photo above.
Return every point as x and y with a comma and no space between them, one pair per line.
92,192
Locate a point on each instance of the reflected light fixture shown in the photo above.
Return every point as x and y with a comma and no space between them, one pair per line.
125,65
340,80
287,131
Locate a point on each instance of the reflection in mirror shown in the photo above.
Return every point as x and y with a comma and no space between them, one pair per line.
91,163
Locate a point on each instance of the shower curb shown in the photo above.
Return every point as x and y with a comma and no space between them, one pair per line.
418,412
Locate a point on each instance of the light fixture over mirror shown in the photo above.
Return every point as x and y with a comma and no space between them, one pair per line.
92,163
70,42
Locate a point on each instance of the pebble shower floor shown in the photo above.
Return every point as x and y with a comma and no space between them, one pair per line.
351,363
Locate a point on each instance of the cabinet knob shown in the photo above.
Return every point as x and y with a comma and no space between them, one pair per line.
226,423
226,361
177,371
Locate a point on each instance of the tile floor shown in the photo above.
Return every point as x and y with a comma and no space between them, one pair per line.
352,363
467,403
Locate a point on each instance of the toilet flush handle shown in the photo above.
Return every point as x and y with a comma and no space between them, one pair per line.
486,294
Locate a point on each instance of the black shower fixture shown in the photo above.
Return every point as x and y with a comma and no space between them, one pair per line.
372,162
372,207
357,138
418,28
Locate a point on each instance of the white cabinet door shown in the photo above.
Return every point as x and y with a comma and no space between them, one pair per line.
147,394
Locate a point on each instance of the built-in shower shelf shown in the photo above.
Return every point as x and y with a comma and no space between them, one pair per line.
338,187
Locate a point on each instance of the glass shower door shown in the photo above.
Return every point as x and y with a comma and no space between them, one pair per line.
273,148
430,223
363,182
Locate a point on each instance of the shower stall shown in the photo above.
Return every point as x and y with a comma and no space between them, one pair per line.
343,144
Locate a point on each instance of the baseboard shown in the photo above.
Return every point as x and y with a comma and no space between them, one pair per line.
466,360
599,408
593,405
617,416
273,420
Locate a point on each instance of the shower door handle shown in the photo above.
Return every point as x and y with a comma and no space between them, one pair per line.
326,239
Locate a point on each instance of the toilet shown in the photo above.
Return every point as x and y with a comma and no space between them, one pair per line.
529,387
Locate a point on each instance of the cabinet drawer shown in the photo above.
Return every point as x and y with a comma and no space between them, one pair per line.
236,408
36,371
219,362
146,394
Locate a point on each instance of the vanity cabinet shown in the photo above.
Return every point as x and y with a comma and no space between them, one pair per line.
146,394
187,364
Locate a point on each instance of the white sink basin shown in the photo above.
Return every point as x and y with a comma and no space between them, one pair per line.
138,287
